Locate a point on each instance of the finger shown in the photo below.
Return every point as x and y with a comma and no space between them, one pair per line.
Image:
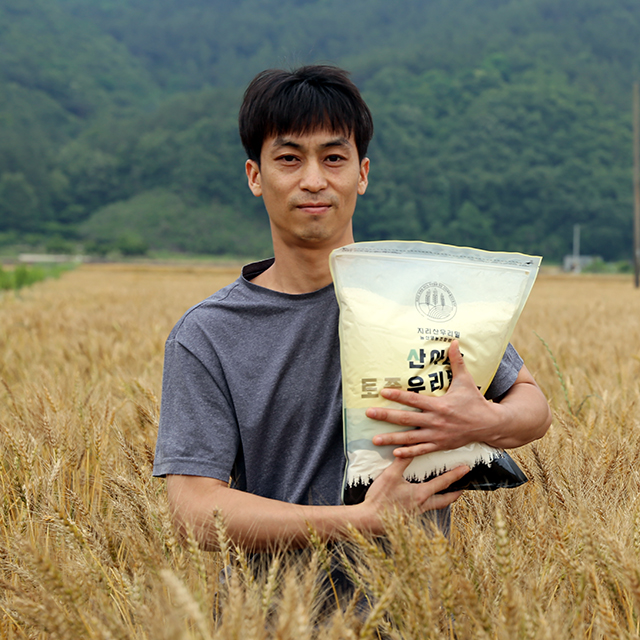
415,451
442,482
408,398
401,417
408,441
460,375
441,500
411,436
458,367
397,467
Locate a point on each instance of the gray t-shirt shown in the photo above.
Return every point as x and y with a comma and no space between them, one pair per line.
252,392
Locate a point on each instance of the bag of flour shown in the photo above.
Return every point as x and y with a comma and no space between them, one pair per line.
401,305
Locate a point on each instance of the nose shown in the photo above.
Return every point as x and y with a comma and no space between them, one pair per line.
312,178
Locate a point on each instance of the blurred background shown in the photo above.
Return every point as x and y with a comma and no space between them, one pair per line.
500,124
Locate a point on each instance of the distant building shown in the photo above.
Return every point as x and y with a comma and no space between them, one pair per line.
35,258
577,263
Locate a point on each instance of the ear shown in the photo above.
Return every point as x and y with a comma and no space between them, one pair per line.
363,179
253,176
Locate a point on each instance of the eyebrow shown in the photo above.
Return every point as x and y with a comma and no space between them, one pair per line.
341,141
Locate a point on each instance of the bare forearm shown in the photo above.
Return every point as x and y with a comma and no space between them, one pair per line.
258,523
251,521
524,417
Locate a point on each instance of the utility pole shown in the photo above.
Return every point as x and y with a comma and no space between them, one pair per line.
577,267
636,181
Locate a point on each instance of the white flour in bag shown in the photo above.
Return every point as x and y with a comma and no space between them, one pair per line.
401,305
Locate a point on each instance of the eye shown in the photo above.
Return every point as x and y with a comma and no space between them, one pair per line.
334,157
287,158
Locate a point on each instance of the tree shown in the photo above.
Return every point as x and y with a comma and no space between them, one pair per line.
18,203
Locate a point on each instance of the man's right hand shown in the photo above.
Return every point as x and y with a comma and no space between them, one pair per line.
390,490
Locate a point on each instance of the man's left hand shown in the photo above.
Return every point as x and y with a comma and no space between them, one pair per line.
461,416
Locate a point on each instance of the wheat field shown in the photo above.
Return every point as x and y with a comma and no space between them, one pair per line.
87,549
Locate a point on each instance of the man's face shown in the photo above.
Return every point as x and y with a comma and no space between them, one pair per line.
309,184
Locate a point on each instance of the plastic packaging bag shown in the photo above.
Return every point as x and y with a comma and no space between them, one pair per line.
401,305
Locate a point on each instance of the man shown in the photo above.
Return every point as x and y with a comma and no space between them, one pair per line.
252,387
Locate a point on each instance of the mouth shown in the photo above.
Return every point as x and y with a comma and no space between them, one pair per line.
314,208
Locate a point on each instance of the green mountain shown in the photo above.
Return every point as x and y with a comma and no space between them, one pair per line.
499,123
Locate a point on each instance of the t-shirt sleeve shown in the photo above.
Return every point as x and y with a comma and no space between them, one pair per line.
506,374
198,432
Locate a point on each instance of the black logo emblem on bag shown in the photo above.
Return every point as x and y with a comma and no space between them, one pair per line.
435,301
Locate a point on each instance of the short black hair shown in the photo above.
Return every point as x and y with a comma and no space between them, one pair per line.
279,102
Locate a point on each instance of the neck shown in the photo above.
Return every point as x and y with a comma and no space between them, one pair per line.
300,271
